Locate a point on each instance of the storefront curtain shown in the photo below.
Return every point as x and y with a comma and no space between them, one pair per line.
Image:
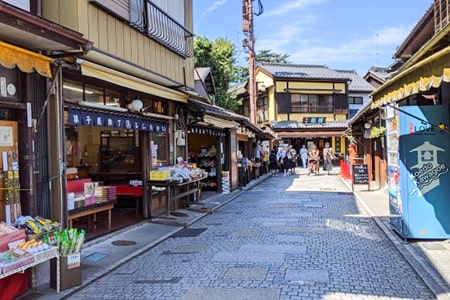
86,117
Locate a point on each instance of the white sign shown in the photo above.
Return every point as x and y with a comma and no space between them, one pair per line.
6,136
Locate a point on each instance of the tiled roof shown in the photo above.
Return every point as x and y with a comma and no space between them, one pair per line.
300,125
302,71
357,84
218,111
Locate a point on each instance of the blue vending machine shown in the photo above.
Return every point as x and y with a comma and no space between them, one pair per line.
418,145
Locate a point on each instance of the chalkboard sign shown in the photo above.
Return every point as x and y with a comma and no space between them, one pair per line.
360,174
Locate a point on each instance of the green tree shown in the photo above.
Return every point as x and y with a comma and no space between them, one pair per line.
219,55
263,56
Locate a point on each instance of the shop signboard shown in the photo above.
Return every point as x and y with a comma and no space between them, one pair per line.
86,117
421,178
360,175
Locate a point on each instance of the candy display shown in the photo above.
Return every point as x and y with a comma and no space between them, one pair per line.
6,228
36,225
68,241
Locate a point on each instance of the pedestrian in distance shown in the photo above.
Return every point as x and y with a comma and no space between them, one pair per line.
303,156
274,166
291,155
258,152
313,160
281,157
352,152
328,157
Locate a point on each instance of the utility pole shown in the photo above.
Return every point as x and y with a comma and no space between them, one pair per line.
249,43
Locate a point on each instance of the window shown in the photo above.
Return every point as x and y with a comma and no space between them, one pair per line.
303,103
262,109
152,105
158,148
163,22
79,91
355,100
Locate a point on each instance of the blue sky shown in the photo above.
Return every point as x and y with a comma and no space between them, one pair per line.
342,34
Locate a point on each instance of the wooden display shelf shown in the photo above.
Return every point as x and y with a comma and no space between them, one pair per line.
92,210
189,189
35,260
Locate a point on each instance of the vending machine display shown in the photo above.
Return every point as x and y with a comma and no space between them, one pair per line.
418,142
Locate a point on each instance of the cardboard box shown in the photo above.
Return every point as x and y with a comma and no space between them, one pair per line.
70,271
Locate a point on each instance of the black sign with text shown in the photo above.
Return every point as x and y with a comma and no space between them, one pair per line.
360,174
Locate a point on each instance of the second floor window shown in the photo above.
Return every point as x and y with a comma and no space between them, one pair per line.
262,108
355,100
304,103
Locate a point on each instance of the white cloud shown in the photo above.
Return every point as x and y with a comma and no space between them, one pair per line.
216,5
289,6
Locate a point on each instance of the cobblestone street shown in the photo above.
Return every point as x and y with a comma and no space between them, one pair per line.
296,237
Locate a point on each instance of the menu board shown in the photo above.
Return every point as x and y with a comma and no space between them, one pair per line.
360,174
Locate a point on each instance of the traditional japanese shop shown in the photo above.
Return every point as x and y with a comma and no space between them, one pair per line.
112,144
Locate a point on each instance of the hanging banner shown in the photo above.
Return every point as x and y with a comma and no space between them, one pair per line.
206,131
84,117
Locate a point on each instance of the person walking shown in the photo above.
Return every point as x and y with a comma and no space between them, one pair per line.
273,161
258,152
281,157
303,156
313,160
292,157
328,157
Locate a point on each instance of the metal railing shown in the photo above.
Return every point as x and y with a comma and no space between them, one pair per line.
156,24
312,109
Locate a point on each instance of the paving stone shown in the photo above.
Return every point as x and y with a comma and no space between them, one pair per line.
227,294
246,273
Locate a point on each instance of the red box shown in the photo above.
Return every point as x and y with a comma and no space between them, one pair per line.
16,284
77,186
130,191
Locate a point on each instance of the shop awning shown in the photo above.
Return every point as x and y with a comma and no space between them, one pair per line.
421,85
219,123
27,61
422,76
308,134
103,73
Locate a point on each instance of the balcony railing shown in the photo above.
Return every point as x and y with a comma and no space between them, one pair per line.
313,109
156,24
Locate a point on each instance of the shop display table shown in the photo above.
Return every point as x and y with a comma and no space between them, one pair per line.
32,262
175,190
91,210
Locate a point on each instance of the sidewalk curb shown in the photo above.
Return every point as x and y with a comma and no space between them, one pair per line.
432,279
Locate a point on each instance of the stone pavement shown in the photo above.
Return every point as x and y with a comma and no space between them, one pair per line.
429,259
